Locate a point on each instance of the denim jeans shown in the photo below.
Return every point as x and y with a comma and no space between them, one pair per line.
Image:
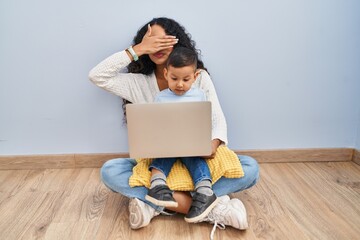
196,166
115,174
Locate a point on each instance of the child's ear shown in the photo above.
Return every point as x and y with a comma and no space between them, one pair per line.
165,73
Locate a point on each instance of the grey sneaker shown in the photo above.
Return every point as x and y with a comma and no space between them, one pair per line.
140,213
227,213
201,207
162,196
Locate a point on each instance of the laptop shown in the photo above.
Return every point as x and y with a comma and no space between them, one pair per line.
176,129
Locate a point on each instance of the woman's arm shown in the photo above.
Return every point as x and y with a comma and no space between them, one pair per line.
107,75
132,87
219,127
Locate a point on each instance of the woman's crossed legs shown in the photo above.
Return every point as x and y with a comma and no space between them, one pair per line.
116,173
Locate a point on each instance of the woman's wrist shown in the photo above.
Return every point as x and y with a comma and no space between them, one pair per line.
138,50
134,52
131,53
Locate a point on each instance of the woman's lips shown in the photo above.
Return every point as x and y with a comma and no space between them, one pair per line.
158,55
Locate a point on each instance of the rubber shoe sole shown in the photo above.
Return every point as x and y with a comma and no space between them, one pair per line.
136,216
161,203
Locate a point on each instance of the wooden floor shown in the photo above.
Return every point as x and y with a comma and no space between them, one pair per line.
291,201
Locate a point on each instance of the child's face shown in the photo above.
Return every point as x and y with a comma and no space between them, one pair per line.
180,79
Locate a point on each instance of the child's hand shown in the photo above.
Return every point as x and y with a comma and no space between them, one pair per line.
152,44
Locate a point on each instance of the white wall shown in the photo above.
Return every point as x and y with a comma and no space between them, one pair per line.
286,72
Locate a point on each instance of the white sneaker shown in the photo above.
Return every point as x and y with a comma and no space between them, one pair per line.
227,213
140,213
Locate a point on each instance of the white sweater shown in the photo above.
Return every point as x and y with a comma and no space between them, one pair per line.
139,88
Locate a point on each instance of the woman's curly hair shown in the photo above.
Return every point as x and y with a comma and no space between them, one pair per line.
144,65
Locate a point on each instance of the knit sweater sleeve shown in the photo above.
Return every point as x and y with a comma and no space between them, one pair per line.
109,75
219,127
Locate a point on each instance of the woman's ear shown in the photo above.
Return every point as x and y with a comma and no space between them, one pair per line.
197,72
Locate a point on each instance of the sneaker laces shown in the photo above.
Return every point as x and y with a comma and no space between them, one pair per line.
217,221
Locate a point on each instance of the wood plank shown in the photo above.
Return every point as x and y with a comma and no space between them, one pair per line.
342,174
339,189
47,180
308,208
268,217
291,201
11,179
44,180
85,198
40,220
67,230
86,180
114,223
300,155
28,212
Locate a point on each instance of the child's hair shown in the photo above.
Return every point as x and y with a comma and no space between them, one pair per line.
181,57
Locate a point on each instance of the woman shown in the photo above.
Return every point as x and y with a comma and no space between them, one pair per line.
145,62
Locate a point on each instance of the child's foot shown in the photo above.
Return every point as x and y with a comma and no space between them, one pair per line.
161,195
201,207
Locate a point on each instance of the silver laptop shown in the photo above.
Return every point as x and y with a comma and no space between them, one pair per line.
157,130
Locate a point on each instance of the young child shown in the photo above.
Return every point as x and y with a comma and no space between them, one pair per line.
180,72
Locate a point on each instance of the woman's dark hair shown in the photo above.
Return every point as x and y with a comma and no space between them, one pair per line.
182,57
144,65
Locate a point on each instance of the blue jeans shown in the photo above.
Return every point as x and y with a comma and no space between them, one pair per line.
196,166
115,174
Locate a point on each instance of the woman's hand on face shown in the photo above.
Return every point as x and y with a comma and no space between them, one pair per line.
152,44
